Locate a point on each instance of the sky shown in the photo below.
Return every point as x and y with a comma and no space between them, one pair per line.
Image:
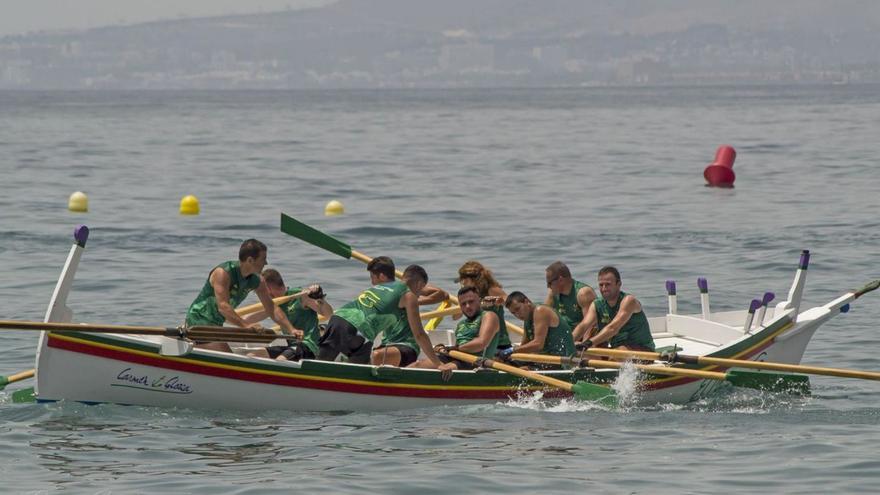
24,16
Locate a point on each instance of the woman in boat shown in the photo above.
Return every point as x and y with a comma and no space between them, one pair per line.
473,273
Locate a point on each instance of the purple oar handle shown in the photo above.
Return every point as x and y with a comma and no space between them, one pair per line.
703,284
670,287
768,296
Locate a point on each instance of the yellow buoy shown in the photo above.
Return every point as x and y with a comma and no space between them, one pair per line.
189,205
78,202
334,208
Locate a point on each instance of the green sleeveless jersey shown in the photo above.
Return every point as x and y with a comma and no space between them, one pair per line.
302,318
635,332
503,337
375,309
567,305
559,341
400,334
203,311
469,328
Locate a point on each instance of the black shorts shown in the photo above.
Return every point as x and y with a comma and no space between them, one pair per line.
408,355
294,352
342,337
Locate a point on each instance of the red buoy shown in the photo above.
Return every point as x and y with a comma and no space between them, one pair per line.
720,172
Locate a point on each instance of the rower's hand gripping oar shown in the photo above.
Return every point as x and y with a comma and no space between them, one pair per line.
315,237
581,390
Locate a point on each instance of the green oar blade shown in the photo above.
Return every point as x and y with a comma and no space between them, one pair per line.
24,395
594,393
4,381
771,382
294,227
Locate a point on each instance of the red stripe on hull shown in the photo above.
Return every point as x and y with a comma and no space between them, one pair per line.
288,381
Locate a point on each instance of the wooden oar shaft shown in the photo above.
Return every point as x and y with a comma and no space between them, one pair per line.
513,370
599,363
232,334
253,308
21,375
742,363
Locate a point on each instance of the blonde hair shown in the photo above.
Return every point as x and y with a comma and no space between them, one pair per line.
482,277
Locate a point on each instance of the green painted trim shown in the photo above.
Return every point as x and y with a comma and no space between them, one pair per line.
771,382
24,395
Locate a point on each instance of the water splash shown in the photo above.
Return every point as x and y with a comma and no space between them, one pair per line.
627,385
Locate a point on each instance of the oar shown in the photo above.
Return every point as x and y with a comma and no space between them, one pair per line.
737,363
315,237
749,379
200,333
582,390
434,321
253,308
22,375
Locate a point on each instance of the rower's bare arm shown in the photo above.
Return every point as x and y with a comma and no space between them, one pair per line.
628,306
581,331
541,321
585,298
488,328
220,282
548,301
320,306
432,295
273,310
410,303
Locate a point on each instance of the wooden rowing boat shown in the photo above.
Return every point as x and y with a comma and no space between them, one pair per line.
155,370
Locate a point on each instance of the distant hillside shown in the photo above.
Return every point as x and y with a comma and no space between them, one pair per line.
416,43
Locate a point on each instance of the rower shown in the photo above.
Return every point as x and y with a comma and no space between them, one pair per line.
476,333
227,286
399,346
475,274
569,297
302,319
353,327
619,316
546,331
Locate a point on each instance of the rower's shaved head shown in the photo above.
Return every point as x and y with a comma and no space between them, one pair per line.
415,273
558,269
273,277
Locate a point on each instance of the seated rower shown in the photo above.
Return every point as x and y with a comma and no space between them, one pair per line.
619,317
476,333
227,286
353,327
399,346
302,320
473,273
546,331
570,297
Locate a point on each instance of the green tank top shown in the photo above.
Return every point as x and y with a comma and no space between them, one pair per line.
567,305
203,311
302,318
375,309
559,341
635,332
503,337
400,334
468,329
